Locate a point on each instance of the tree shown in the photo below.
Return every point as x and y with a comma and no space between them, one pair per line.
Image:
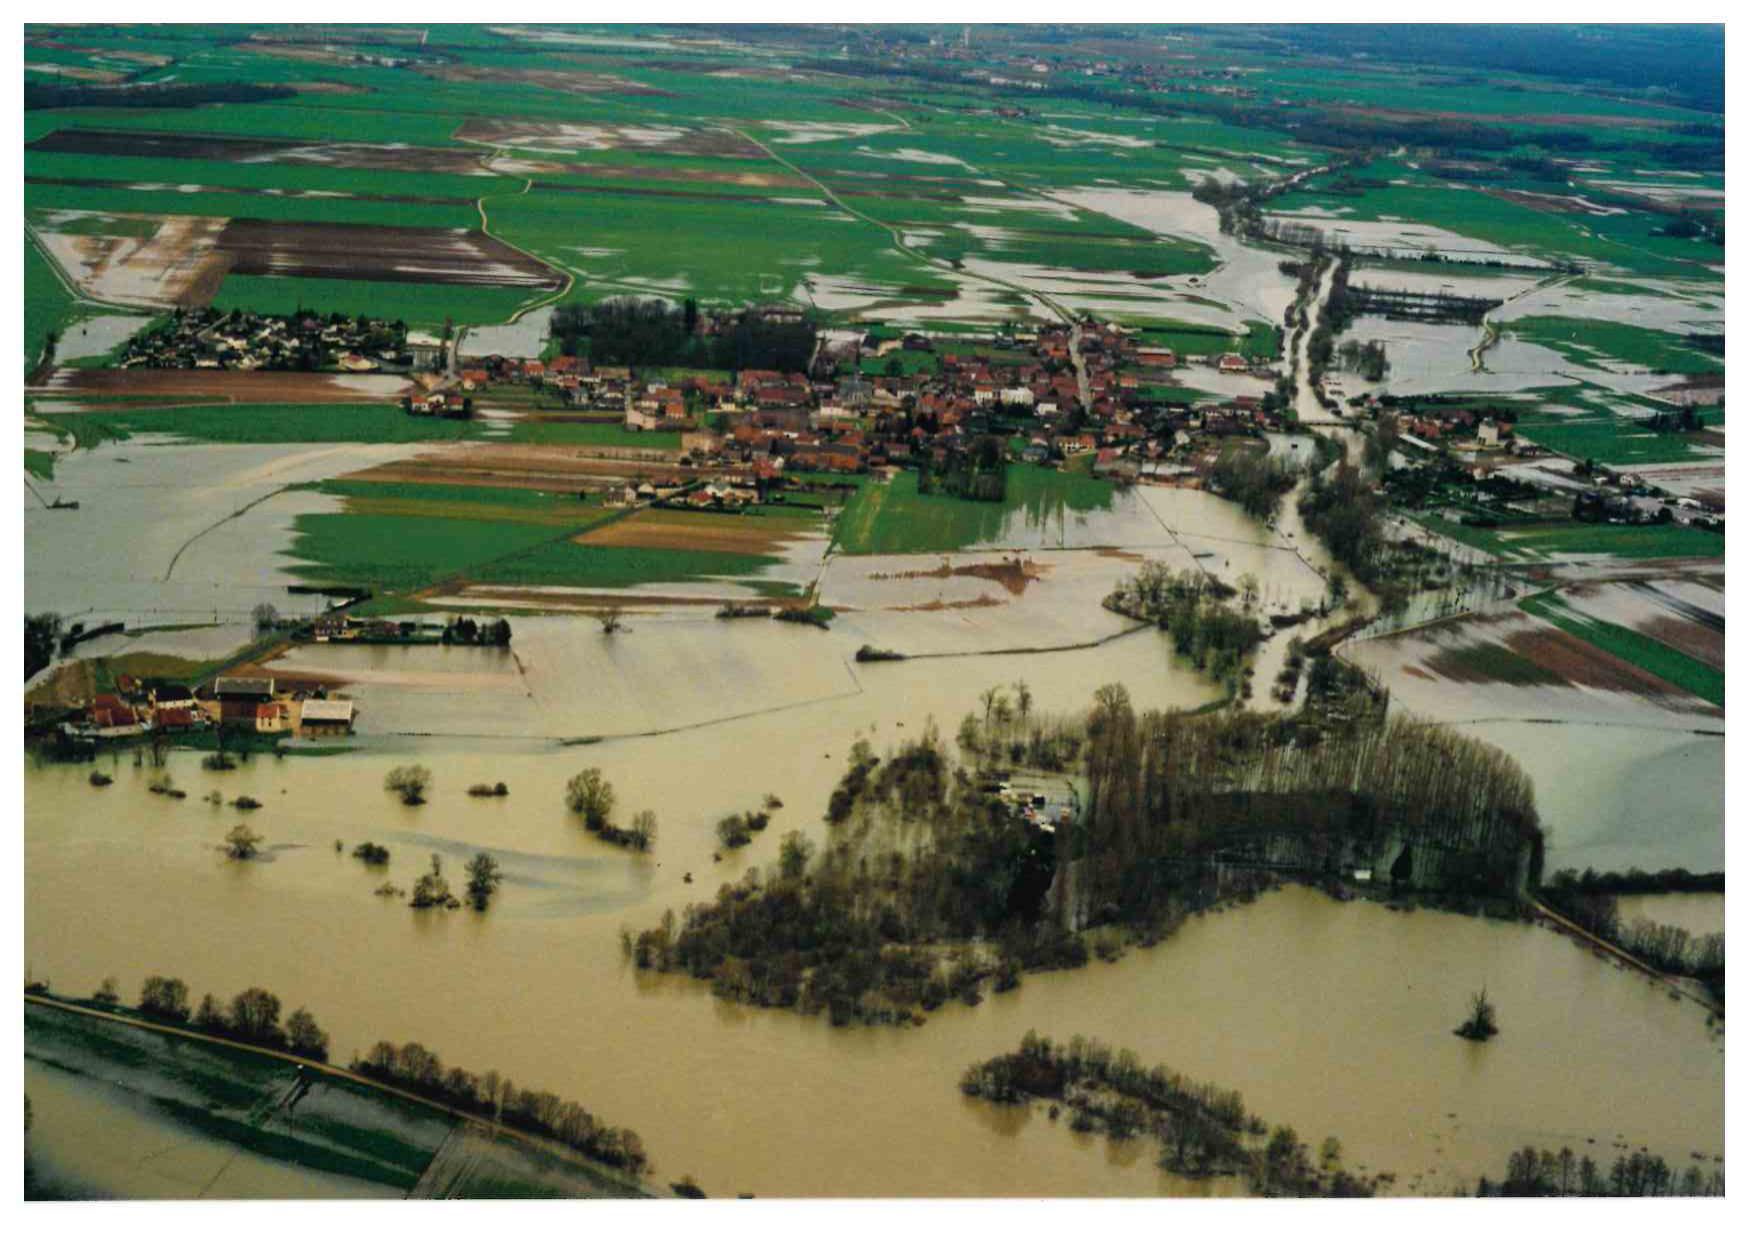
794,854
266,617
590,795
305,1037
241,844
209,1015
254,1016
1481,1024
409,782
432,889
107,992
483,877
610,620
1023,699
164,997
643,829
41,632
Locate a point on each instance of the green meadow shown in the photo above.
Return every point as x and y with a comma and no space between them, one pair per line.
893,519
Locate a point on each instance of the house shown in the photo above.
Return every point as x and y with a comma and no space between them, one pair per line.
700,443
1233,364
174,719
472,380
425,348
110,716
325,717
243,688
172,697
272,716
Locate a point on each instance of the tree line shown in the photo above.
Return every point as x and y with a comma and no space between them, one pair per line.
1200,1129
633,331
1532,1172
251,1016
1175,794
495,1097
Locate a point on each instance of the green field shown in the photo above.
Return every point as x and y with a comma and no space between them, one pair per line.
1552,539
257,424
1590,340
565,563
1608,438
47,303
1679,669
418,305
893,519
399,537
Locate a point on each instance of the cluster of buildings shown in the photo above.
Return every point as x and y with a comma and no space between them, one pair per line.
209,339
241,703
872,404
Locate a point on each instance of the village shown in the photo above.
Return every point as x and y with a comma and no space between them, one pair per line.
211,339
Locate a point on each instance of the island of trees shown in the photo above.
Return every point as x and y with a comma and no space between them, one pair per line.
933,884
1200,1130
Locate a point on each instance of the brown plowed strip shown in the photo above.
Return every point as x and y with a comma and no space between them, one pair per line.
1694,640
249,387
1577,662
1012,575
663,529
379,252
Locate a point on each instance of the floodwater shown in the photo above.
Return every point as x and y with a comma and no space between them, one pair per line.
1697,912
177,536
1334,1018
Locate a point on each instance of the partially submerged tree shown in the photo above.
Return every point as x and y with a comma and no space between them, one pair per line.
483,877
1481,1024
590,795
409,783
432,889
241,844
643,830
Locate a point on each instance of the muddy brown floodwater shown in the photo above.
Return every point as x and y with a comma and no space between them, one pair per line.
1332,1017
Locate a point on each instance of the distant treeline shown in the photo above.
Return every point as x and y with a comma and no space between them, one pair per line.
413,1068
1637,882
44,95
1671,949
631,331
1543,1173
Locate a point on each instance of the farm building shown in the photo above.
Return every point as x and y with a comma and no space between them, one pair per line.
326,717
